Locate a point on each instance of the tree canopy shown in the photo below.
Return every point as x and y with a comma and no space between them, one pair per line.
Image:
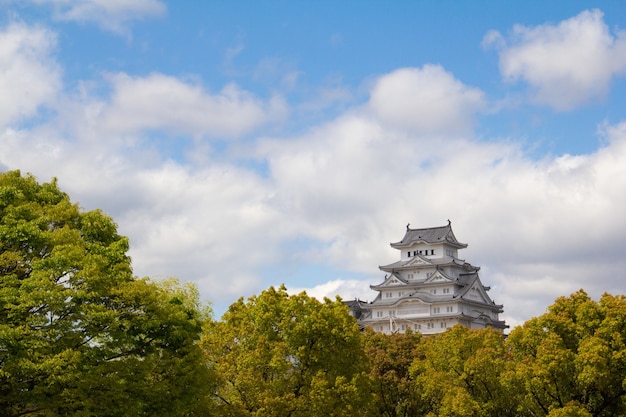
288,355
79,334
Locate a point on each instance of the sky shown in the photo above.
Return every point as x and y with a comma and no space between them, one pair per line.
247,144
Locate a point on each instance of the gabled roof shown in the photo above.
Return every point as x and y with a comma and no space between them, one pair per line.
392,280
439,276
475,292
442,234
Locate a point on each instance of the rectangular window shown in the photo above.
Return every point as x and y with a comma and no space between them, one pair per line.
436,310
443,325
446,290
408,254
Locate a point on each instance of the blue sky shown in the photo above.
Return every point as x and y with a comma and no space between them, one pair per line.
247,144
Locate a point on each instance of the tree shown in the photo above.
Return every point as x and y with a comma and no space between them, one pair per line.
390,357
79,334
572,358
288,355
458,373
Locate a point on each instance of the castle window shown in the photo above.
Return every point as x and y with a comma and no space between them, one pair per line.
443,325
409,254
436,310
446,290
414,252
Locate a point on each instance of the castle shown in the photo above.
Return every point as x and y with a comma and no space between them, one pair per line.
429,289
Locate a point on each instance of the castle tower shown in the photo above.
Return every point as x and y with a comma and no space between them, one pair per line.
429,289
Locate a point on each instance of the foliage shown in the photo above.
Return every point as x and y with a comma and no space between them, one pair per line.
79,334
390,357
288,355
459,373
573,358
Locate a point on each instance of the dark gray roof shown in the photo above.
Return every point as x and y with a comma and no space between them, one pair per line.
429,235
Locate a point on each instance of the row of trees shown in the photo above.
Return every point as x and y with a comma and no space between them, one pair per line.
80,335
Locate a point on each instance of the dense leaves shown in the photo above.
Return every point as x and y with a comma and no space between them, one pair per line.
390,357
78,333
573,358
288,355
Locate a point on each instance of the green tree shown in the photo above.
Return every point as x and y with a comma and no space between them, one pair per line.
79,335
458,373
390,357
572,358
288,355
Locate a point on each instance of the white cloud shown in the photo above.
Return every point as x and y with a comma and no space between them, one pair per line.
161,102
29,77
541,229
347,289
425,100
345,187
112,15
567,64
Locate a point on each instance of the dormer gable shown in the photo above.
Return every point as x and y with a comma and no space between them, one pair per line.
476,292
391,280
418,260
438,276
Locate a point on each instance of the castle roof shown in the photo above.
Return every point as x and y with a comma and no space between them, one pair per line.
419,260
429,235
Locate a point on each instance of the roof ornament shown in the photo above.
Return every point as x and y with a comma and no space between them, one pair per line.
407,226
449,222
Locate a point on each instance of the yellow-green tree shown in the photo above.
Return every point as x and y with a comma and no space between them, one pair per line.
79,335
288,355
389,360
573,358
458,373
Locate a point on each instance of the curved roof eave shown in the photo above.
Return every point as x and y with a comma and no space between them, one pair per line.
440,234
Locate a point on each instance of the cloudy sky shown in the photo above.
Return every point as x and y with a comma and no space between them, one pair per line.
246,144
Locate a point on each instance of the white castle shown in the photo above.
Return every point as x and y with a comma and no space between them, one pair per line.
429,289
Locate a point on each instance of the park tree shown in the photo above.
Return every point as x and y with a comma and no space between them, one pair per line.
572,359
79,335
288,355
389,360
